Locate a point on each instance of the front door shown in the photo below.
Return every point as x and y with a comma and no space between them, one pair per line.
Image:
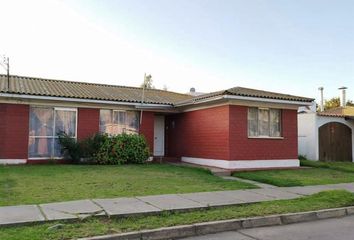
159,136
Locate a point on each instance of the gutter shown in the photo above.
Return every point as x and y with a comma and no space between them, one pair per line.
82,100
256,99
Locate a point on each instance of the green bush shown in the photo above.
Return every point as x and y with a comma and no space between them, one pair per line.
123,148
104,149
80,151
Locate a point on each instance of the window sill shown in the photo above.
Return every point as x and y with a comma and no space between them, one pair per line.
264,137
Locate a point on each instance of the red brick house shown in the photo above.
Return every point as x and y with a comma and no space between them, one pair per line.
235,129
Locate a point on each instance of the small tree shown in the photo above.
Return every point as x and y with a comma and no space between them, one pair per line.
147,84
335,102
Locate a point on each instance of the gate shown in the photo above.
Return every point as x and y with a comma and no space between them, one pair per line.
335,142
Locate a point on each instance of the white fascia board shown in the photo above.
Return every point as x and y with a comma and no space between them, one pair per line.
255,99
82,100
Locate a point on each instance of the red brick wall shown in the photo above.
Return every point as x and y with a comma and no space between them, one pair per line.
244,148
201,134
147,128
14,123
88,122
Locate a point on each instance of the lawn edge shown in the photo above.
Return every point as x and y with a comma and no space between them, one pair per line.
204,228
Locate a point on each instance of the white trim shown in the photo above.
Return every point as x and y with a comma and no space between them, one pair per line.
243,164
66,99
12,161
256,99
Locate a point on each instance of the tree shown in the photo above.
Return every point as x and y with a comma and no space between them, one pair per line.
147,84
335,102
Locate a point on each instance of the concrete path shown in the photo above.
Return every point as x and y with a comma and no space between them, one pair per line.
342,228
153,204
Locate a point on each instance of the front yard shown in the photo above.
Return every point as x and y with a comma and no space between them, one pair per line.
318,173
33,184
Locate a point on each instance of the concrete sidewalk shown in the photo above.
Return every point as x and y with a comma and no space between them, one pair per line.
153,204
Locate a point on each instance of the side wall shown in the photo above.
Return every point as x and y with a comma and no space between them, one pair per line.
14,125
244,148
199,134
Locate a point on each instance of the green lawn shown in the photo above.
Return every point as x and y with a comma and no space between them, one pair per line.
341,166
31,184
298,177
101,226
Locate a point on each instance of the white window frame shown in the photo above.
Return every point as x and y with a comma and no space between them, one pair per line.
266,136
54,134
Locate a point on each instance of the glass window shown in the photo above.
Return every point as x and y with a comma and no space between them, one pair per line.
116,121
45,124
264,122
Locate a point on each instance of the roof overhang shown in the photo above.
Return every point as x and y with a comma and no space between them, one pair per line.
243,98
83,100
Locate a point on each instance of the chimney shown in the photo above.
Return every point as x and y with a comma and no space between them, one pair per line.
342,96
321,100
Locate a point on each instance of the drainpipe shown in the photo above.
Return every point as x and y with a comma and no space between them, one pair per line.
342,96
321,100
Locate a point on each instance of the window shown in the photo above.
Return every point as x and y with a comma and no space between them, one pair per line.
116,121
264,122
45,124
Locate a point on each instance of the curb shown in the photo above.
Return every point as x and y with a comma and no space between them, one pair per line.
227,225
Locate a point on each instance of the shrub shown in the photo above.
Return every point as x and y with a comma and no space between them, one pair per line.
81,151
123,148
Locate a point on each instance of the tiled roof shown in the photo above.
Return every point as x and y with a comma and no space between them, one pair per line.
81,90
248,92
69,89
347,111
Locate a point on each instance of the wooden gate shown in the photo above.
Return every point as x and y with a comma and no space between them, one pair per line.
335,142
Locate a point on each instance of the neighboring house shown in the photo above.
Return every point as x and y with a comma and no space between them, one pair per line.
238,128
327,135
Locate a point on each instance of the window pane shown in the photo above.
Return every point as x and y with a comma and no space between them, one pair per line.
40,147
132,123
252,121
65,121
263,122
41,121
57,148
118,122
106,121
275,122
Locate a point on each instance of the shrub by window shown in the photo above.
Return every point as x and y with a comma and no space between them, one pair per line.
264,122
115,122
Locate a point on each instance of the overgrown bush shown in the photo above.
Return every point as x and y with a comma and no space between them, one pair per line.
104,149
123,148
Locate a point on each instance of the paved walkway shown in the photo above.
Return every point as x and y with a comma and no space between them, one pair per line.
153,204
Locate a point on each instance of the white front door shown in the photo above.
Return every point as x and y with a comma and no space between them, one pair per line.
159,136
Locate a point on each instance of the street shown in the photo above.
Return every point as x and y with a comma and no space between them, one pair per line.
330,229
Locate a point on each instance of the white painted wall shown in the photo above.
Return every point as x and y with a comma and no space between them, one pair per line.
308,125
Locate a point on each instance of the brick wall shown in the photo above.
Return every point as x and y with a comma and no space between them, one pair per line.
147,128
14,123
244,148
88,122
201,134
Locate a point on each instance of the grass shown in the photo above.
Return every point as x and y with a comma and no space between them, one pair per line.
298,177
340,166
31,184
101,226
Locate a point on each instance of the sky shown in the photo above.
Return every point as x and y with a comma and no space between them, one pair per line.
291,47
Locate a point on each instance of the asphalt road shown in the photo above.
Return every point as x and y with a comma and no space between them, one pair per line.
330,229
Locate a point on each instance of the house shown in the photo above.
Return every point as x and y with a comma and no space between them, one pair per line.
327,135
237,128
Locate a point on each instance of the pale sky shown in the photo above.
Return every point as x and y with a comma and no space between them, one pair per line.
284,46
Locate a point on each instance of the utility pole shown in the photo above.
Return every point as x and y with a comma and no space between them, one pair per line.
142,99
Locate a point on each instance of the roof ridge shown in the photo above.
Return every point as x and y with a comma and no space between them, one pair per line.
92,84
